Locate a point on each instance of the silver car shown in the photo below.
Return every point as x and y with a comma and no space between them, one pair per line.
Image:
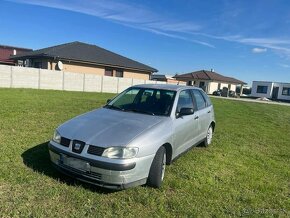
130,140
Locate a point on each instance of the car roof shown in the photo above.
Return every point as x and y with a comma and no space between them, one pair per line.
165,87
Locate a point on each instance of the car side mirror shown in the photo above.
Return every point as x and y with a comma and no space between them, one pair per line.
185,111
108,101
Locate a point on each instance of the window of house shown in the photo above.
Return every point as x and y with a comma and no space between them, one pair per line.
119,73
286,91
37,64
189,83
200,102
262,89
201,84
108,72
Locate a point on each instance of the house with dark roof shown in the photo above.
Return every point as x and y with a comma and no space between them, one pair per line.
85,58
209,81
6,51
166,78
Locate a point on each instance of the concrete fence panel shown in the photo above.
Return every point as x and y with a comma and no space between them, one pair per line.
93,83
110,84
73,81
25,77
124,83
138,81
50,79
150,82
5,76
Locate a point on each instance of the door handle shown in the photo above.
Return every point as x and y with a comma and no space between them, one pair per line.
196,118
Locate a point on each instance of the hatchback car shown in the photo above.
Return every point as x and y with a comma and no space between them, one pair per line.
130,140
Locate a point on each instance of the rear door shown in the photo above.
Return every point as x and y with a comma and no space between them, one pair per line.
204,113
185,127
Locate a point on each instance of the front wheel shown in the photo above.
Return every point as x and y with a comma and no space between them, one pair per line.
208,138
157,169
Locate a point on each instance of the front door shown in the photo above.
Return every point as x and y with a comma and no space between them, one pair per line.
186,128
275,92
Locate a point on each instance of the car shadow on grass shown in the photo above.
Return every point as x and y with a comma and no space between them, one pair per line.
37,158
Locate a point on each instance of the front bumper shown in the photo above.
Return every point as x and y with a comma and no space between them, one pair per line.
118,174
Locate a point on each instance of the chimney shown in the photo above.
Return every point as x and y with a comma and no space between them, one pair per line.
211,70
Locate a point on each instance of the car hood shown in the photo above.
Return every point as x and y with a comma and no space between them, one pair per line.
107,127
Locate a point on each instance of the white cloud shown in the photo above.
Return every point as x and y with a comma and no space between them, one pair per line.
139,17
259,50
132,15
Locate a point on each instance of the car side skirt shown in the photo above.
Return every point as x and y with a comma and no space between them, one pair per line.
194,145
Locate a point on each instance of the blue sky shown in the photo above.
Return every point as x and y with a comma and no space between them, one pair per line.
246,39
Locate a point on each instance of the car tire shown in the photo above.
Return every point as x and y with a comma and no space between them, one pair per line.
157,169
208,137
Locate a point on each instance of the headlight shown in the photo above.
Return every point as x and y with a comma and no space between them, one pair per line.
56,137
120,152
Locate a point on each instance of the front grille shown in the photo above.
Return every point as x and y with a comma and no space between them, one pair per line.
64,141
96,175
91,174
95,150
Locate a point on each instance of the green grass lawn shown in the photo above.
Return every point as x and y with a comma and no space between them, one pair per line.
246,170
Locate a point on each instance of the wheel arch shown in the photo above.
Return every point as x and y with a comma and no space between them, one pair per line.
213,125
168,148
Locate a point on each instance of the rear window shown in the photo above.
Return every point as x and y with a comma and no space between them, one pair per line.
207,99
200,101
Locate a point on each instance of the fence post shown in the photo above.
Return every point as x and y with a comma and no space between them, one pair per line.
62,80
84,81
118,79
38,78
102,80
11,77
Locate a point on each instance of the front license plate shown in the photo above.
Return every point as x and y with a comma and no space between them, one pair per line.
75,163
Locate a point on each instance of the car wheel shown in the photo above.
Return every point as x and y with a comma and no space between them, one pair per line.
208,138
157,169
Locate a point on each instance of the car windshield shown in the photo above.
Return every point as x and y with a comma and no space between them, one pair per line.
144,100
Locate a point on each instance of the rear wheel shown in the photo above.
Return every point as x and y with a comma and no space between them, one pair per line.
208,138
157,169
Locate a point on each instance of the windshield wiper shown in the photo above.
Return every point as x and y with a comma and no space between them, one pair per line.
142,112
114,107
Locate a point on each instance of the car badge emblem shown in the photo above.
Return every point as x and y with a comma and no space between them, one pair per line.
77,146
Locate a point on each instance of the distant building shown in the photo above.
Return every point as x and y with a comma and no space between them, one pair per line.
85,58
271,90
209,81
166,78
6,51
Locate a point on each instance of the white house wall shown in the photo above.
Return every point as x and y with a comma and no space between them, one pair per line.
281,86
213,86
259,83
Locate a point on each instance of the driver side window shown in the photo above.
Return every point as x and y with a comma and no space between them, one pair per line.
184,100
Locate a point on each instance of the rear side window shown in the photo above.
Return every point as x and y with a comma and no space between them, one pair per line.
200,102
207,99
184,100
